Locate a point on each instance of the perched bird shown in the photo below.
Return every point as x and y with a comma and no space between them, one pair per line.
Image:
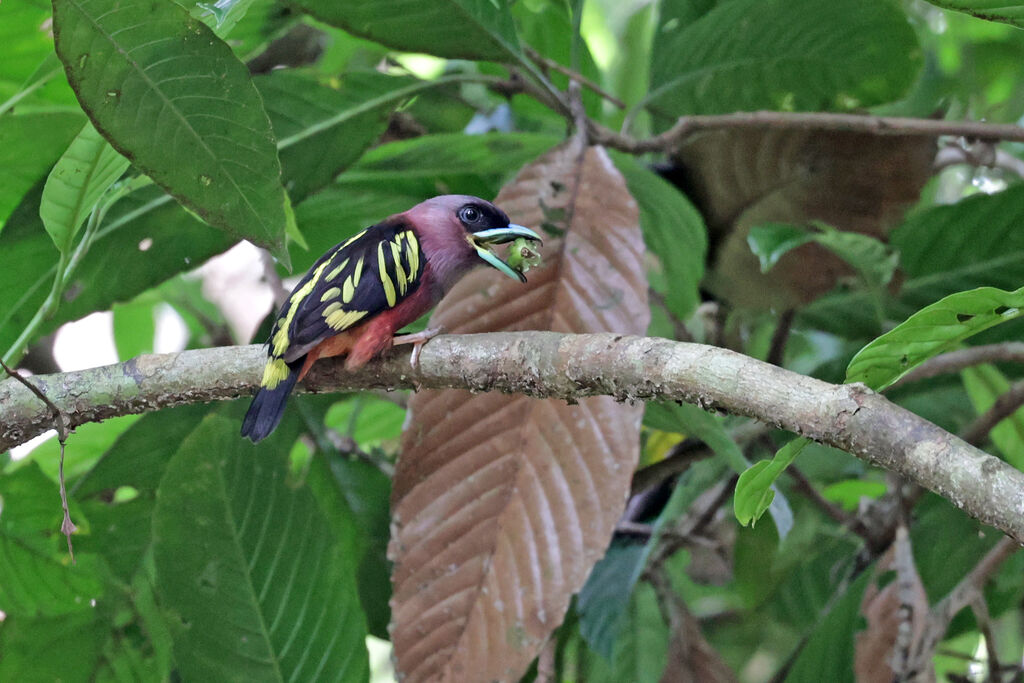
362,291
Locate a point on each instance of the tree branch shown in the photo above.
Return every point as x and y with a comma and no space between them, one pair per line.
549,364
816,121
955,361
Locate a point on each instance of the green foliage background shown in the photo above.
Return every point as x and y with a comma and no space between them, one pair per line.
204,558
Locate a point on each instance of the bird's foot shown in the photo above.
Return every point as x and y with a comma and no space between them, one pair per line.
418,339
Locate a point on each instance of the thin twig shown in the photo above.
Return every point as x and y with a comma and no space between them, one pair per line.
814,121
580,78
777,349
984,621
60,423
955,361
1005,406
679,329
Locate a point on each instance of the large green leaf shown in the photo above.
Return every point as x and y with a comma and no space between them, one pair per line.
993,10
261,586
62,648
801,55
29,146
460,29
38,579
172,97
431,156
968,234
121,530
931,331
674,232
298,103
84,172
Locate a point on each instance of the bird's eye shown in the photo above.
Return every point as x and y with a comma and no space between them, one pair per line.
469,214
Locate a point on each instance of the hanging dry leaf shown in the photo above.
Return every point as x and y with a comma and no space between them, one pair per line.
897,616
502,504
742,178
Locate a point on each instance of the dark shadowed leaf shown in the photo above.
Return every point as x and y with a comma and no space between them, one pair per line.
170,95
462,29
931,331
29,146
27,647
260,586
298,104
502,504
38,579
786,55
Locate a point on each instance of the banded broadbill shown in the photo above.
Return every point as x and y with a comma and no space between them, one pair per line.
362,291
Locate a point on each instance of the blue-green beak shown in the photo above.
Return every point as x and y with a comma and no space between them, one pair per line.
484,238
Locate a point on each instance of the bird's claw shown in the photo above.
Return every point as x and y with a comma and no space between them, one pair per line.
417,340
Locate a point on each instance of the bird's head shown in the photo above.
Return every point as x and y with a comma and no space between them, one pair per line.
458,231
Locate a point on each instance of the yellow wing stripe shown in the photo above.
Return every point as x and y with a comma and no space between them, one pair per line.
281,340
385,279
331,293
337,271
348,290
342,320
358,272
412,254
403,282
274,372
331,308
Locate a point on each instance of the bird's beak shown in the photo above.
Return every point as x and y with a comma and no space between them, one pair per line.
482,239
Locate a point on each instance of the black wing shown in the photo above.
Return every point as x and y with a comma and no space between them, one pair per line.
364,275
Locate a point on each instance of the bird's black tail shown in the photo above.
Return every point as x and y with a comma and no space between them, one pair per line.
267,406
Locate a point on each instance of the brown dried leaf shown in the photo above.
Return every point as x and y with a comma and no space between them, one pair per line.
897,617
742,178
502,504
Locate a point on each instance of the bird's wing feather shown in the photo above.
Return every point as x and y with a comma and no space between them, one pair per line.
364,275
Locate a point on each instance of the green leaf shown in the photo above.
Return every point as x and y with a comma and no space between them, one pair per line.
848,493
260,586
457,29
932,330
345,125
640,652
116,269
984,384
430,156
607,594
38,579
134,329
964,237
85,171
122,530
791,55
29,145
58,648
992,10
691,420
171,96
873,260
674,232
772,241
755,488
828,653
